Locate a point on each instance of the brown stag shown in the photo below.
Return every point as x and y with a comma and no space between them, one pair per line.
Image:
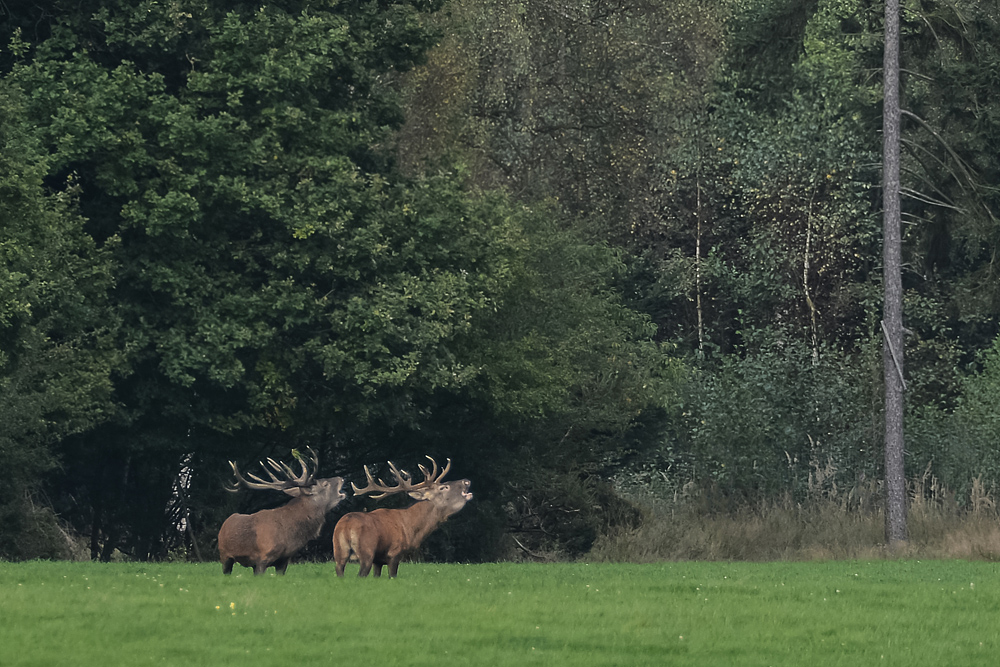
384,536
272,537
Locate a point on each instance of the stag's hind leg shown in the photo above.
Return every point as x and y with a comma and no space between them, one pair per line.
342,548
341,553
366,567
227,565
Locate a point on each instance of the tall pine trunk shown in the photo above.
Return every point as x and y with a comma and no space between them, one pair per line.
892,323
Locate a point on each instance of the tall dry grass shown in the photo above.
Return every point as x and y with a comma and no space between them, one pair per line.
831,523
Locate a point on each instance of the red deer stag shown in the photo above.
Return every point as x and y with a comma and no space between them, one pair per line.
384,536
272,537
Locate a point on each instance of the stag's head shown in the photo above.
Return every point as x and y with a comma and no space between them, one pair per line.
325,493
449,497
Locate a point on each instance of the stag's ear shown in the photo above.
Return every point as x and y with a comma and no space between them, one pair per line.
421,494
297,491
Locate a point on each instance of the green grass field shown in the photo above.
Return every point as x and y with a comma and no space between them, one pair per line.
819,613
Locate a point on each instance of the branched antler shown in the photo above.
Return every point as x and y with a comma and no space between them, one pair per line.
404,481
282,476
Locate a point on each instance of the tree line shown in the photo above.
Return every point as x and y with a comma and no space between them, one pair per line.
579,249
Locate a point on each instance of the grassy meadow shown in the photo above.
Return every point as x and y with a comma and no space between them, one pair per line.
878,612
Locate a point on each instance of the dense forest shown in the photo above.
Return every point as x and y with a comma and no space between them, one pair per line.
592,251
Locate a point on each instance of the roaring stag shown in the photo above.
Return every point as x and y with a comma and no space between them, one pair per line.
272,537
384,536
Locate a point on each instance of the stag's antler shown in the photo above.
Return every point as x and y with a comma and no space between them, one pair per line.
404,483
288,477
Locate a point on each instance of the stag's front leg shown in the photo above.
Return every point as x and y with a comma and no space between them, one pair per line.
281,565
394,566
377,569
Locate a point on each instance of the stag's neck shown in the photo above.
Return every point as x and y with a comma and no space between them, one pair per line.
308,515
422,518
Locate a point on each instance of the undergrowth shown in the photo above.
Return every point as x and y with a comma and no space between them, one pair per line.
829,523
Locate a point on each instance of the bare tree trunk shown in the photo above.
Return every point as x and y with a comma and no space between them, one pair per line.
697,270
113,534
805,282
892,324
190,532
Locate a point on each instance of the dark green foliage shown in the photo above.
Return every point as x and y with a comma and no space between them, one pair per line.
761,425
259,240
964,439
56,331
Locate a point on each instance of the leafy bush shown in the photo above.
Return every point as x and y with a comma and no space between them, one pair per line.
761,423
961,444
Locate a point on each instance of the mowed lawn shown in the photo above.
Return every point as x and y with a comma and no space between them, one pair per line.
820,613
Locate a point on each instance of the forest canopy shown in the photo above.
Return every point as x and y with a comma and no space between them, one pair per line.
585,250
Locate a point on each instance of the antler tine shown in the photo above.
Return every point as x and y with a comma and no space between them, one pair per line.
447,467
283,469
308,474
277,466
274,479
401,476
372,486
239,478
433,477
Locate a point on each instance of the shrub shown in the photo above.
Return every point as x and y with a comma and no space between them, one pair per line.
759,425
